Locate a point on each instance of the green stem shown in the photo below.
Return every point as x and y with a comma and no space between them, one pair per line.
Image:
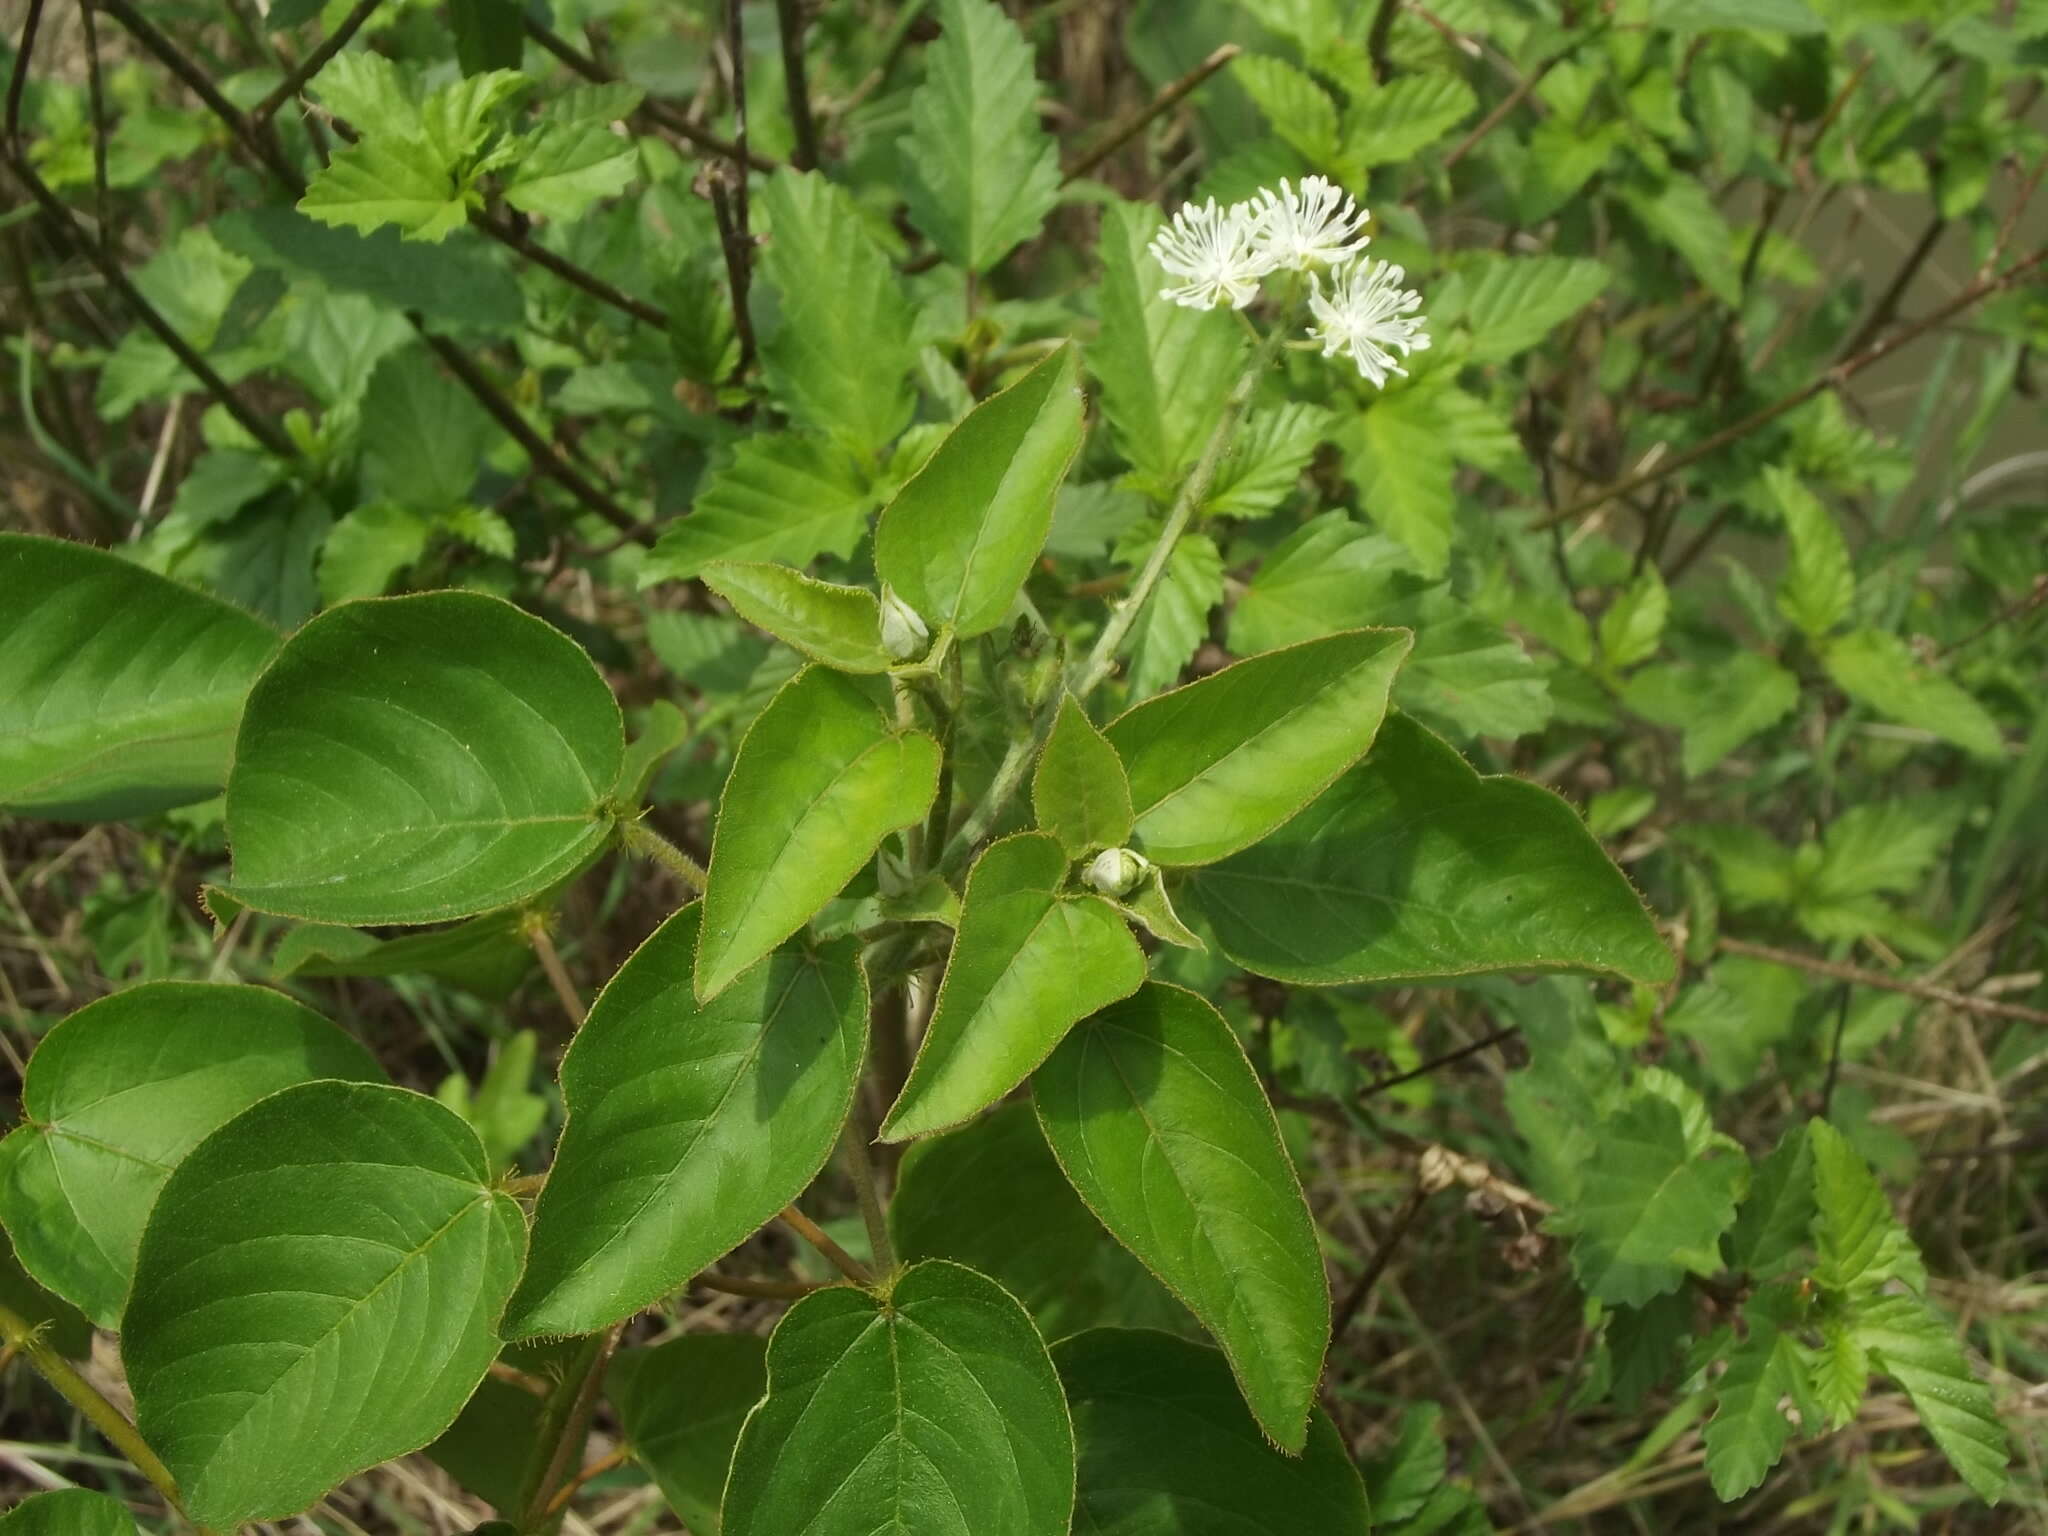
645,841
20,1334
862,1170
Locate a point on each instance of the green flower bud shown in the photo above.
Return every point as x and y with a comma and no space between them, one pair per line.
1116,871
904,635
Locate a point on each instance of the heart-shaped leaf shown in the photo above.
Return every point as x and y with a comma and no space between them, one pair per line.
1030,959
1220,764
683,1403
114,1098
119,690
1079,792
689,1124
959,539
1167,1449
317,1292
821,778
414,759
931,1409
840,626
1414,867
1160,1123
991,1196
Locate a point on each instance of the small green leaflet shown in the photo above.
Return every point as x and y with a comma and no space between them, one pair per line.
563,168
1079,792
784,497
1882,672
840,626
1748,1431
931,1407
68,1512
1917,1348
1819,582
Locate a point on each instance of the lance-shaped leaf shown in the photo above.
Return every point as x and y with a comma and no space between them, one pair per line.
959,539
689,1124
1030,959
840,626
1412,866
1749,1429
119,690
1160,1123
983,172
1917,1348
317,1292
1079,791
114,1098
68,1512
413,759
932,1409
1166,1448
1220,764
682,1404
821,778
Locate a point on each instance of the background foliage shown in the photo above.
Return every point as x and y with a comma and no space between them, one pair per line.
1716,505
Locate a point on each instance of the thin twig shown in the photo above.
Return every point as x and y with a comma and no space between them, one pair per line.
1887,305
314,62
535,929
575,1432
1507,104
608,1462
1827,1087
515,239
764,1289
1927,991
1382,1255
1133,123
821,1240
1438,1063
1834,377
1380,35
2019,607
102,199
861,1169
789,21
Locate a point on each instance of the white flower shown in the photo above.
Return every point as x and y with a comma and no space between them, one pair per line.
1368,315
1213,249
904,635
1313,225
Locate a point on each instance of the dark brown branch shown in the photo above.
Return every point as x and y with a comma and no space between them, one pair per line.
1129,126
789,19
1382,1255
543,454
1438,1063
1507,104
516,240
313,63
1831,379
1887,305
653,111
102,200
1379,37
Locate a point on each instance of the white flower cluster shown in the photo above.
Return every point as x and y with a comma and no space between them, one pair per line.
1220,254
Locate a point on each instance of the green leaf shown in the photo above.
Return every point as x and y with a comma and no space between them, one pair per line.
563,168
1167,1448
1164,370
501,1443
486,955
1717,707
1748,1431
1079,793
1735,15
424,435
488,34
932,1407
119,690
1173,625
390,180
1840,1369
682,1404
1882,672
1300,110
1413,866
689,1125
1680,214
316,1293
982,174
1218,765
991,1196
1633,625
1819,583
370,92
1404,117
1266,459
61,1325
1754,870
368,548
1770,1229
1160,1123
1860,1242
1397,452
821,778
412,759
783,497
959,539
1031,958
1508,304
68,1512
840,626
114,1098
1917,1348
1398,1484
1650,1208
837,355
1884,845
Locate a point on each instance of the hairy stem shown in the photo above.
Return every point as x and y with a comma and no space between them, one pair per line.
821,1240
645,841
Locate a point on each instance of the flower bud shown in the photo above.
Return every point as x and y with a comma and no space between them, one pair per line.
1116,871
904,635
